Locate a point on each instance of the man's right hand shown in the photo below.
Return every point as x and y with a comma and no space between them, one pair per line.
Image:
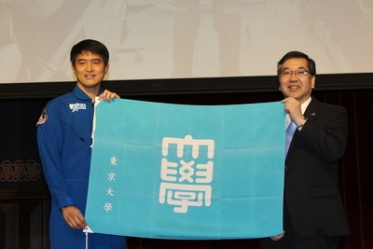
278,237
74,217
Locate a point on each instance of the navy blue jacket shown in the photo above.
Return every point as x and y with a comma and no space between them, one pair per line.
64,139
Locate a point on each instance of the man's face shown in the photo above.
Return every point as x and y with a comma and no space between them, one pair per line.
89,70
295,81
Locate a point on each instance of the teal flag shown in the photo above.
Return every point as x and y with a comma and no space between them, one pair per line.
174,171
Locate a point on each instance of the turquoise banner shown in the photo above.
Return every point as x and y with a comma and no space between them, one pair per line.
173,171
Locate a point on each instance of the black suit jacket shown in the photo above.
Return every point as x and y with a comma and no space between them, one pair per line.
312,193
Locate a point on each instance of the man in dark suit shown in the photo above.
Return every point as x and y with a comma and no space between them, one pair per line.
313,211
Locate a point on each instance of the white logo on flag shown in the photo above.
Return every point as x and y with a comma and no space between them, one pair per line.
111,177
113,161
186,183
110,192
108,207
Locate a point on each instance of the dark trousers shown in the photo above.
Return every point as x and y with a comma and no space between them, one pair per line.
292,240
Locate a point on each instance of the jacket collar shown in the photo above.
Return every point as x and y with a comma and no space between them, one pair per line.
79,94
312,108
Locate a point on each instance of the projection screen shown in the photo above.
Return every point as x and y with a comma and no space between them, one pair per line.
163,39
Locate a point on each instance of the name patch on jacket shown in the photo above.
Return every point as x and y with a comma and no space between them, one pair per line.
77,106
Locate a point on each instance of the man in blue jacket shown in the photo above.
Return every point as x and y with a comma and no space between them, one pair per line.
64,138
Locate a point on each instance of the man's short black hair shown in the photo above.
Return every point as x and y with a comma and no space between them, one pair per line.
297,54
92,46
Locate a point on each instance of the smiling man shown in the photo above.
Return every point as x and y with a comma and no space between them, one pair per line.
64,138
313,211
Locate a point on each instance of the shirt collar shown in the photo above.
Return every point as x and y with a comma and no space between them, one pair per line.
305,104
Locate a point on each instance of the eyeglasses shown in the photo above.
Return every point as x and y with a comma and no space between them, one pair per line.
297,73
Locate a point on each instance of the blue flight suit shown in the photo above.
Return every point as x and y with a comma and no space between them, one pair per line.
64,139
